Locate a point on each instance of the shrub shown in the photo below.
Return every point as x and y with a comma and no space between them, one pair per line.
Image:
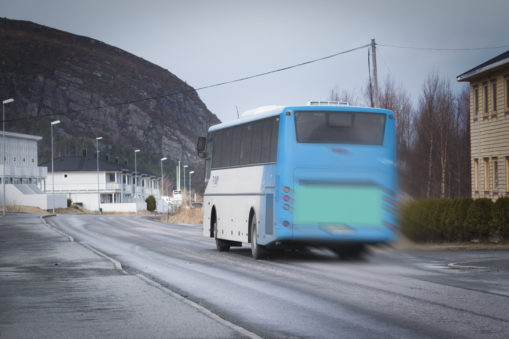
500,221
478,221
151,203
414,220
69,202
454,219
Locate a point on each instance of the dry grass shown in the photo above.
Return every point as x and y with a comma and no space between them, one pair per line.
36,210
185,216
24,209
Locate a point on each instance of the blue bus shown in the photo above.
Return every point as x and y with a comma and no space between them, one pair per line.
315,175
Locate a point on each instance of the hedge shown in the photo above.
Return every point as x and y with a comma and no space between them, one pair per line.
464,219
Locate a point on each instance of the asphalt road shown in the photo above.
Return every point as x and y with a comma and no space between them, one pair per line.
312,293
51,287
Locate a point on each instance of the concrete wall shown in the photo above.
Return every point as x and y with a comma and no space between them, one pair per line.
44,201
125,207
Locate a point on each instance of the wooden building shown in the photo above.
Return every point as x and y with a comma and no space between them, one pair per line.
489,127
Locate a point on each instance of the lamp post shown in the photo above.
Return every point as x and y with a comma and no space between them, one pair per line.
53,123
190,197
98,194
135,180
162,177
184,188
6,101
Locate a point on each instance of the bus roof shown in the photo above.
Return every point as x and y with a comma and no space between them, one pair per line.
270,111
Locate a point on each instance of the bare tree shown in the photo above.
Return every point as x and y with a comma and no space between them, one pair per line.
342,96
440,135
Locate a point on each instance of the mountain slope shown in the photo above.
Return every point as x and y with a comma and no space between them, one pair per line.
96,90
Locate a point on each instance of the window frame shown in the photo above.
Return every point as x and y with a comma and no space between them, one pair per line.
245,151
486,174
476,175
486,101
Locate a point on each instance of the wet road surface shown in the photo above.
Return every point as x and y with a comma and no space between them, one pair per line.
312,293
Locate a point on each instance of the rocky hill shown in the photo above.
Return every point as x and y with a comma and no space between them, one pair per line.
96,90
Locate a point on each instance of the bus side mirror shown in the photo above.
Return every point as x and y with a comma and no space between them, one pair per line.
200,147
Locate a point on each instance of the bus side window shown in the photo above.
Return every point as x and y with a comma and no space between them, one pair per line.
226,149
273,140
236,142
245,147
216,154
256,144
266,138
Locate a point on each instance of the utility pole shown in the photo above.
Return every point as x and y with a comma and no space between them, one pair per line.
375,77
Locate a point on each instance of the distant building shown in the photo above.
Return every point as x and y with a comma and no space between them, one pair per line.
489,126
25,181
77,177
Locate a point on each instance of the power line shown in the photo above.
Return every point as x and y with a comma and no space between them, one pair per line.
197,89
283,69
443,49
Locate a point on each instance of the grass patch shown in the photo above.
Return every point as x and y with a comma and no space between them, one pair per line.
185,216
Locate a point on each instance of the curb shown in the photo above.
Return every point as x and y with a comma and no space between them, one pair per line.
115,263
242,331
200,308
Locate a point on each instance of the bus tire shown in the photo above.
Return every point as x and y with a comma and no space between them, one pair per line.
257,251
221,245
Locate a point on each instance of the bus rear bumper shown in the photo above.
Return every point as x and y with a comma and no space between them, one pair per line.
330,235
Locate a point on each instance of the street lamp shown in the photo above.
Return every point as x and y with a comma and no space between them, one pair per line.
184,188
6,101
190,197
162,178
135,180
98,194
53,123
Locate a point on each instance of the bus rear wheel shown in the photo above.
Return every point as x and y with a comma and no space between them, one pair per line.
221,245
257,251
350,251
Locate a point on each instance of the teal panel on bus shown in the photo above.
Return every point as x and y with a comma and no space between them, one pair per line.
321,204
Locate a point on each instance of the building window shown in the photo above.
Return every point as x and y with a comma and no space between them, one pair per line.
507,93
486,108
476,175
476,101
110,177
486,169
494,90
495,174
507,174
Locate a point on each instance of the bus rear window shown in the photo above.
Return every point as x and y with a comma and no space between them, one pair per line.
340,127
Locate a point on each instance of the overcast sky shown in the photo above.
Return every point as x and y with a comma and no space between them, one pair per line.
207,42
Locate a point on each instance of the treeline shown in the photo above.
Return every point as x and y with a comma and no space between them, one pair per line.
432,138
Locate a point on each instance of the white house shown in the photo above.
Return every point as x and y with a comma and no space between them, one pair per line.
25,182
113,185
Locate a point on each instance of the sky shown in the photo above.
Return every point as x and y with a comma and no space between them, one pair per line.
208,42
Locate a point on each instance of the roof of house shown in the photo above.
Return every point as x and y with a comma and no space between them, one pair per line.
87,164
495,62
22,136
